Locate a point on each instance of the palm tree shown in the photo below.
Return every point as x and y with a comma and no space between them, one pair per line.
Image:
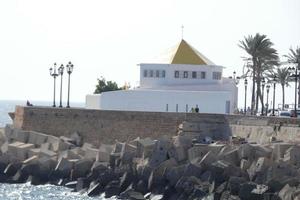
294,57
262,55
283,77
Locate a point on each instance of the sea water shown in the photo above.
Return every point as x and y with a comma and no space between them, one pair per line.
26,190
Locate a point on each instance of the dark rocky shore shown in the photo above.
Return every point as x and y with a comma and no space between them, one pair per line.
187,166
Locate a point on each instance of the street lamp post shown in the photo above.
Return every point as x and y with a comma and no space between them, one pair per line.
267,104
263,82
69,71
61,72
245,104
274,88
295,75
54,74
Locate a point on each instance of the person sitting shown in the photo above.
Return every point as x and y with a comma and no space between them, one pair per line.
28,103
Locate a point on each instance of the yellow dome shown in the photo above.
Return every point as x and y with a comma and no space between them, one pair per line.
186,54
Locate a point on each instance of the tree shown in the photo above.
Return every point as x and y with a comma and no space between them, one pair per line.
105,86
294,57
283,77
263,57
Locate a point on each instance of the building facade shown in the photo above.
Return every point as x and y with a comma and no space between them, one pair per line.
185,80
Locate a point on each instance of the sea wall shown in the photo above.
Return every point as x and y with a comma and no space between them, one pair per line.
103,126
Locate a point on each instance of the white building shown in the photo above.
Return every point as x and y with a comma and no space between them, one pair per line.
185,80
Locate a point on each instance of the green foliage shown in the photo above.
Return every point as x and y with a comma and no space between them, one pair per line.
264,58
294,56
104,86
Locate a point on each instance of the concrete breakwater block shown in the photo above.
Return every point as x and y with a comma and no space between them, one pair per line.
37,138
167,168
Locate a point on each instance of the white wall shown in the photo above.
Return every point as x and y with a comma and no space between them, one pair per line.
148,82
92,101
156,100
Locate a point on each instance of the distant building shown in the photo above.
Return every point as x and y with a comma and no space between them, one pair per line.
186,79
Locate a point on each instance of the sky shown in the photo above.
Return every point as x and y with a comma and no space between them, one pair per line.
109,39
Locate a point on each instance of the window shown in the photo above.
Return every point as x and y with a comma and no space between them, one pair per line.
176,74
157,73
194,74
203,74
185,74
151,73
163,73
145,73
217,75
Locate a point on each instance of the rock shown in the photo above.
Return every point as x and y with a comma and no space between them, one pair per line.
82,168
22,151
231,156
19,177
245,164
4,161
82,184
246,152
58,145
279,150
107,177
182,141
198,151
141,187
130,194
91,153
219,190
160,153
234,184
187,184
112,189
166,165
98,168
174,174
33,152
215,148
128,152
12,148
207,160
31,160
71,184
145,147
87,145
104,152
37,138
68,140
260,189
20,135
286,192
46,167
292,155
246,192
8,131
12,168
227,196
76,138
4,148
69,154
126,180
95,189
178,153
262,151
63,168
192,170
156,183
47,153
